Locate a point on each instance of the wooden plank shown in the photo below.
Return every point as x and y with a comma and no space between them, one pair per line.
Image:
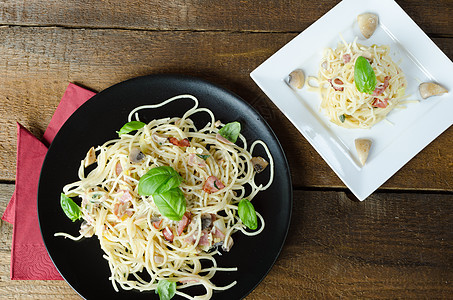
389,246
36,64
269,16
393,245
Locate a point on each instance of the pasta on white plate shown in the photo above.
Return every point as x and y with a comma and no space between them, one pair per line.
358,85
165,196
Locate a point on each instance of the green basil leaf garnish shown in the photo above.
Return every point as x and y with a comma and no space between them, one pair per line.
131,126
364,76
166,289
247,214
231,131
171,204
203,156
70,208
159,180
342,118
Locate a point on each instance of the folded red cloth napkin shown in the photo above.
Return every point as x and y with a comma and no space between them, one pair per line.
29,258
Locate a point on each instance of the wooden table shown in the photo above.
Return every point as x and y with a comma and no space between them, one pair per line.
396,244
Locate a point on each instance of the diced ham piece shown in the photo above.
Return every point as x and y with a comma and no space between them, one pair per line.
222,139
168,234
194,159
346,58
212,185
184,222
125,197
380,103
381,88
120,208
118,168
336,84
204,238
217,233
157,224
179,143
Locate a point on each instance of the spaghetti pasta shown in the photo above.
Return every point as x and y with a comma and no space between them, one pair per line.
341,101
136,237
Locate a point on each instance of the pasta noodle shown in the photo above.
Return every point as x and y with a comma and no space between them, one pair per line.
341,101
142,246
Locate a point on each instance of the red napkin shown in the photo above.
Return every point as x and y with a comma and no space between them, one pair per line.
29,258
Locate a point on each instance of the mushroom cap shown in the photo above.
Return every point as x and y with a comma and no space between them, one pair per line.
367,24
363,148
428,89
297,79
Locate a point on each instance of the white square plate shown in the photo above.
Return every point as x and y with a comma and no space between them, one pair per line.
394,142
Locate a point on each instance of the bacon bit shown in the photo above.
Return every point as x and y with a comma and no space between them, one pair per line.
184,222
346,58
119,209
157,224
118,168
194,159
380,103
380,89
125,197
168,234
222,139
180,143
335,84
212,185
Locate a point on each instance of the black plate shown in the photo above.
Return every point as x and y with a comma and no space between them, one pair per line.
81,263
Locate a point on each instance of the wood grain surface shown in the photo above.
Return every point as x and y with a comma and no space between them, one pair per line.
39,62
393,245
398,244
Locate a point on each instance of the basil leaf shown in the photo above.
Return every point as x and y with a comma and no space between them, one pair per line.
231,131
159,180
166,289
203,156
247,214
364,76
171,204
130,126
342,118
70,208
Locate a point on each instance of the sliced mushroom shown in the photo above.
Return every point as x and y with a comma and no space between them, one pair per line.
296,79
90,158
367,24
227,246
428,89
259,164
207,221
136,155
363,148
